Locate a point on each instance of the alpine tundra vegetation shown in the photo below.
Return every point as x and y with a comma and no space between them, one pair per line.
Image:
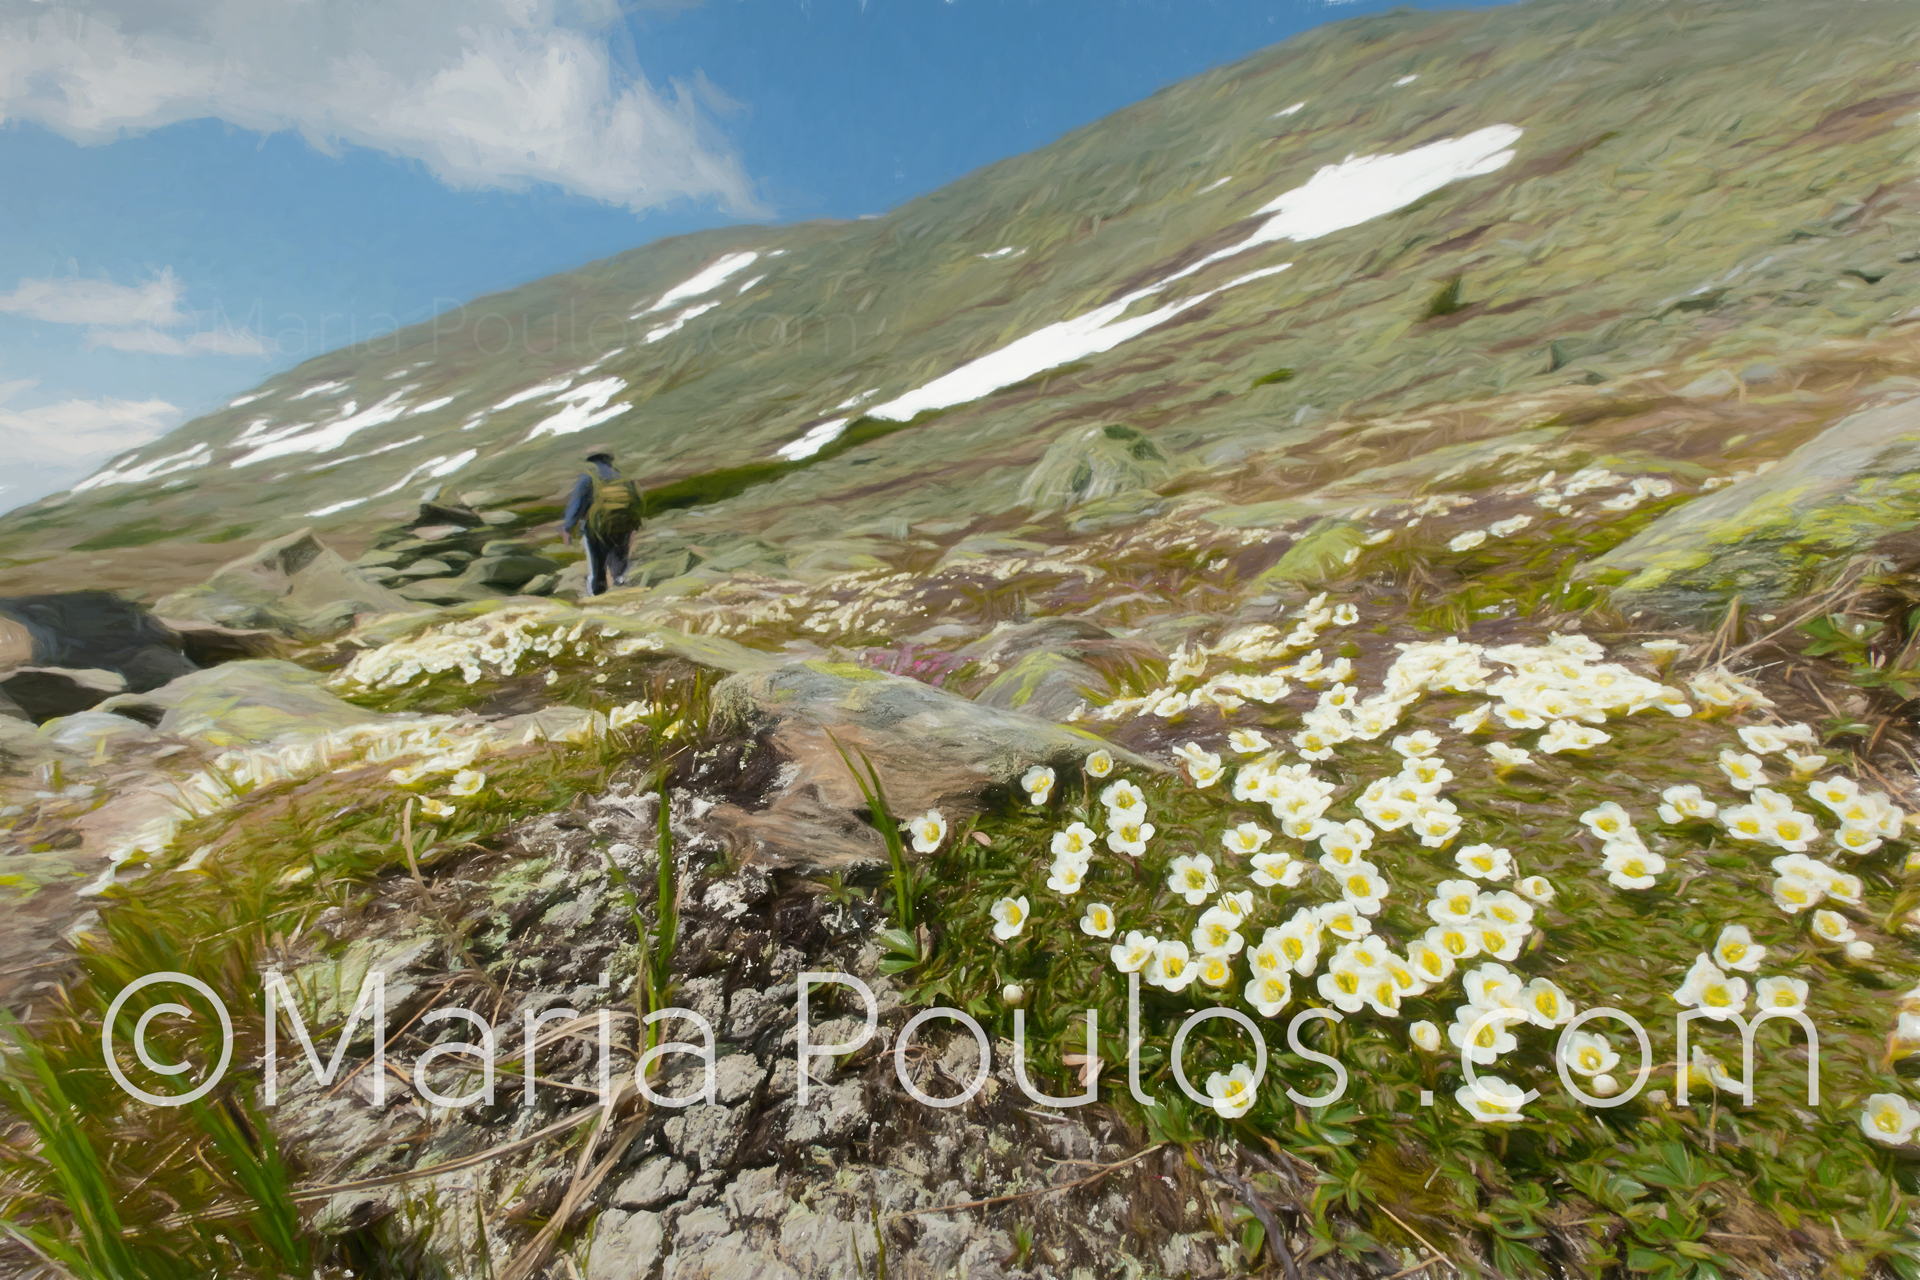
1358,618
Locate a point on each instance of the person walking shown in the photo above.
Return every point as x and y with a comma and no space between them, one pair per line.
606,509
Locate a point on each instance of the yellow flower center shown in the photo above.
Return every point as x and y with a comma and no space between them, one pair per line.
1886,1121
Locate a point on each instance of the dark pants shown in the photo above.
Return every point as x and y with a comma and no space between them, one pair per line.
606,563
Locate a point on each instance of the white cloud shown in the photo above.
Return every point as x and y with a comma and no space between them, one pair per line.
51,446
211,342
128,317
97,302
484,93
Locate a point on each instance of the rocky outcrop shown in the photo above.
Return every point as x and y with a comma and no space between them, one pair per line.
90,631
1769,536
295,585
451,554
240,703
1090,463
41,693
936,750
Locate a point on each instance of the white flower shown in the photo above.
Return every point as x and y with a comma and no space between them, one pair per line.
1130,956
1123,800
1269,992
1453,901
621,717
1425,1035
1098,920
1565,735
1239,905
1467,541
1510,526
1589,1054
1782,993
1536,888
1735,950
1859,949
1342,921
1436,824
1762,739
1831,926
1889,1118
1421,742
1501,941
1345,841
1130,838
1494,1102
1856,840
1010,917
1715,994
1038,783
928,830
1484,862
1171,968
1546,1004
1363,888
1743,771
467,782
1014,995
1453,940
1099,764
1216,933
1794,894
1472,721
437,808
1212,969
1067,875
1804,764
1686,804
1508,757
1192,878
1247,741
1202,766
1232,1093
1428,964
1629,867
1610,822
1343,985
1248,838
1074,842
1277,869
1834,792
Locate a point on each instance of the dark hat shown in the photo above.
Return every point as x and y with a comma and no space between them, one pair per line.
599,455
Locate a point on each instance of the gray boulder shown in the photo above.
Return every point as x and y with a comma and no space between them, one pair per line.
242,703
295,585
45,693
90,630
934,749
1770,537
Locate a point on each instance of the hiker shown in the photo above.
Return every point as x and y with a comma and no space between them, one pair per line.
606,509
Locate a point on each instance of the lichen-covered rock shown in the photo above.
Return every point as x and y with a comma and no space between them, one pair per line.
935,750
296,585
243,702
1767,537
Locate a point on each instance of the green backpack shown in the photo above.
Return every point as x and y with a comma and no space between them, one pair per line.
615,510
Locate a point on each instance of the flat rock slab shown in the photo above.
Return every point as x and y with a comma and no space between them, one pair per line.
243,702
934,750
44,693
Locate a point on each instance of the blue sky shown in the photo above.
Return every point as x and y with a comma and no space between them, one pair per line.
201,192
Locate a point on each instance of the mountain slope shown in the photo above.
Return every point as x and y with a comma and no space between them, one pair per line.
1464,207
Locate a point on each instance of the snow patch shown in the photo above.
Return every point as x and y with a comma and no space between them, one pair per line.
319,389
235,404
1339,196
197,456
853,400
338,506
1007,251
679,321
586,406
706,280
431,469
1361,188
431,405
327,436
1286,111
1215,185
331,463
748,285
1403,81
816,439
534,393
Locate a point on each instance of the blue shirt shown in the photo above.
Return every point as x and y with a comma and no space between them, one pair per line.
583,497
